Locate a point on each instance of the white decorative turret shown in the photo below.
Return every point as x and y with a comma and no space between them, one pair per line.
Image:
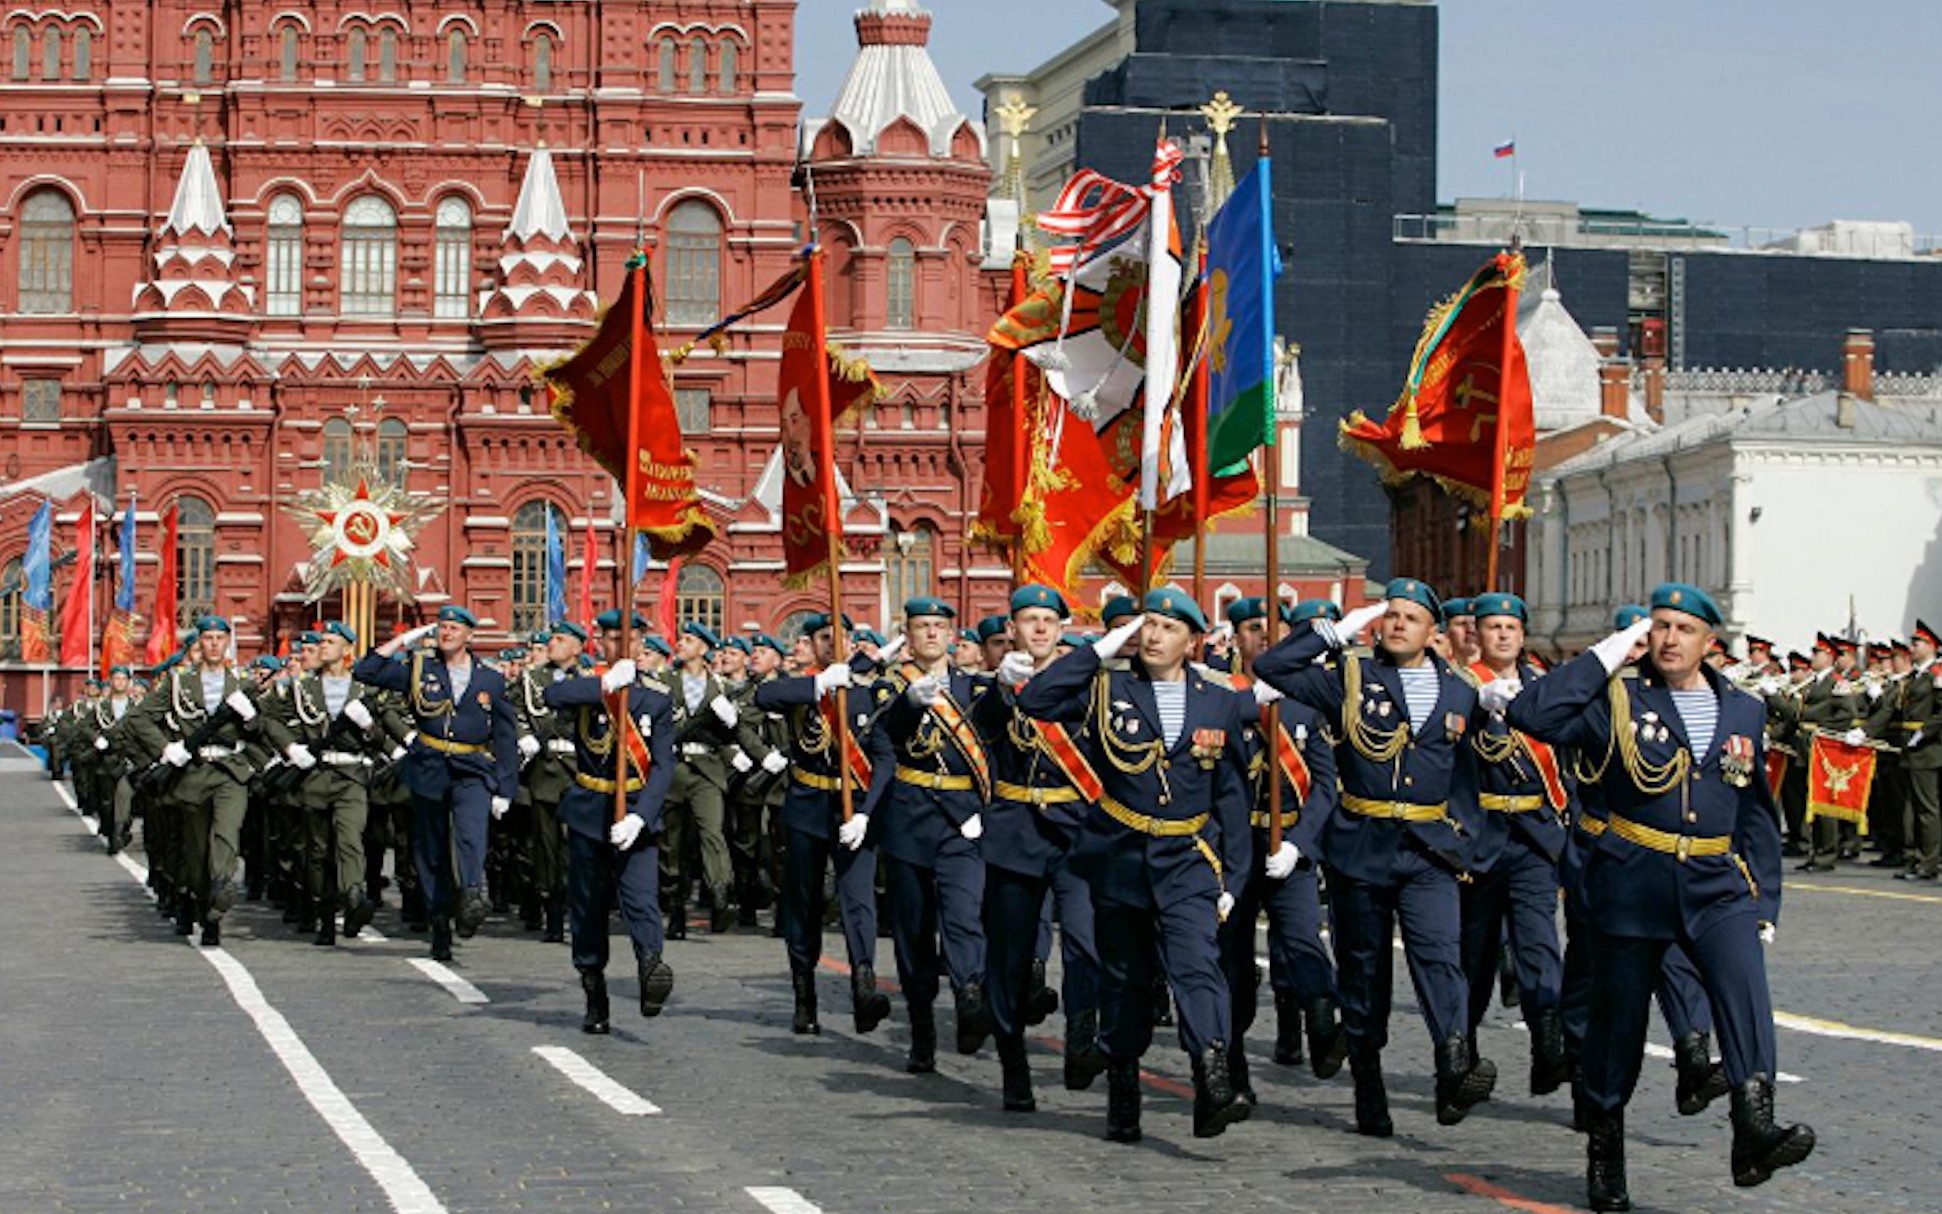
539,299
195,292
894,103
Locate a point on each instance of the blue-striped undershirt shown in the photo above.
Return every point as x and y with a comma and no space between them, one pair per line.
1699,712
1419,693
1171,700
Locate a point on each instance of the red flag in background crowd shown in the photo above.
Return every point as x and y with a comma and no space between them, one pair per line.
1839,777
161,616
77,607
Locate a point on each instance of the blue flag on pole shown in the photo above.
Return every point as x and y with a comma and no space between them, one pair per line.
37,566
555,569
641,556
125,590
1242,265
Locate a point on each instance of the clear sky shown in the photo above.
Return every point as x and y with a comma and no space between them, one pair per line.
1765,113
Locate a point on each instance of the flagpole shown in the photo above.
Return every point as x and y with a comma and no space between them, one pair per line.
832,511
1021,405
621,712
1271,465
1497,442
94,574
1197,380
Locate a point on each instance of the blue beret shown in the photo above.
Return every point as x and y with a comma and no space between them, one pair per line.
1681,596
1036,595
115,670
1118,608
1312,609
141,682
212,623
1417,591
1452,608
764,641
169,663
994,625
340,629
309,636
924,605
539,636
452,613
1628,615
1499,604
870,635
702,633
1177,605
654,641
267,662
1240,611
567,628
817,621
740,643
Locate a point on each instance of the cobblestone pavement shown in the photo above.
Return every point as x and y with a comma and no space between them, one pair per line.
144,1074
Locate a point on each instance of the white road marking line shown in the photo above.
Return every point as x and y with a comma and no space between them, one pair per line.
1654,1050
67,795
401,1184
136,869
783,1201
595,1080
1849,1032
459,988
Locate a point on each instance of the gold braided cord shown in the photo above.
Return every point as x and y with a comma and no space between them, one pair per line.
601,744
1374,744
296,702
1113,748
1654,780
1496,748
419,703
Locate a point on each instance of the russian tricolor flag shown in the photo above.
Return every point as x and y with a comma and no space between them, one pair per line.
1505,150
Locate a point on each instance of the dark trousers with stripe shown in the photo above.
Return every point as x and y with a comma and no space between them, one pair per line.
1183,940
805,859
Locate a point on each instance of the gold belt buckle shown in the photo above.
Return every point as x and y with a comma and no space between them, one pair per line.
1685,848
1038,796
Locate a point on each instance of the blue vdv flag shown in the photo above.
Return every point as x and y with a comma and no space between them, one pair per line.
1242,265
125,591
642,554
555,569
37,566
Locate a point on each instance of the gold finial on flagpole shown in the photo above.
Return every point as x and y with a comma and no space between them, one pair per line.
1222,115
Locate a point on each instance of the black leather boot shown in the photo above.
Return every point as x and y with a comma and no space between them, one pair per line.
923,1039
212,933
1463,1080
677,928
868,1005
1701,1080
1508,992
326,925
1328,1041
1084,1060
306,915
529,911
223,894
721,909
804,985
1371,1097
358,910
1238,1076
1761,1148
1215,1105
1040,1000
1549,1067
1123,1102
185,915
1017,1075
1287,1030
974,1018
1605,1162
441,938
594,983
657,983
473,909
555,929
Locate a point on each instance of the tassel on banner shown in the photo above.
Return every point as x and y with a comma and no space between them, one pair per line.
1412,437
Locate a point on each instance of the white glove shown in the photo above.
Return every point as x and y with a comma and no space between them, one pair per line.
300,756
1108,646
888,653
101,743
623,833
1855,737
973,828
416,635
1342,632
1914,740
1015,669
832,677
925,692
619,675
1615,649
775,762
240,705
1874,691
528,746
740,761
724,710
1282,862
1767,933
851,833
1496,695
360,715
1264,695
1225,906
1220,632
399,753
500,805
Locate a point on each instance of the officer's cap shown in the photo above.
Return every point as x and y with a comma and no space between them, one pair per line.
817,621
1240,611
1757,642
1799,661
1843,644
928,605
1899,645
452,613
764,641
342,631
1628,615
1415,590
212,623
702,633
1176,605
1681,596
1496,603
1924,633
1036,595
1452,608
567,628
1118,608
1311,609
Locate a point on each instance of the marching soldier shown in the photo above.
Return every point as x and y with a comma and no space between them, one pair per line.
546,748
1169,830
1397,846
994,639
755,832
706,721
613,862
1919,732
462,768
1691,854
109,759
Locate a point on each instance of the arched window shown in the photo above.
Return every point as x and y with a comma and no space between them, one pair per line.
792,626
356,48
731,57
699,595
908,567
50,53
452,260
543,62
697,66
370,261
338,440
23,52
13,593
387,54
205,64
394,443
195,558
694,264
83,53
283,257
665,66
455,57
47,254
287,52
529,563
901,277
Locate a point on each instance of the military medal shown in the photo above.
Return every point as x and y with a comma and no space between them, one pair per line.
1736,761
1454,724
1208,744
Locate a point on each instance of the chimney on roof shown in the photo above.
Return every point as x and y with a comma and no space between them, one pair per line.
1614,388
1858,364
1604,339
1653,376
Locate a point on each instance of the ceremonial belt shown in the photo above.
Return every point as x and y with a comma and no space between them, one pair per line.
1032,795
946,710
1910,726
821,783
694,750
1402,811
1261,819
1510,803
1168,828
931,779
451,748
219,752
1679,846
1592,826
596,784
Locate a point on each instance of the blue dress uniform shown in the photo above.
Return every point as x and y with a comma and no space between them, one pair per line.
812,814
1034,817
1690,854
1159,850
466,752
1513,891
1395,849
598,873
930,778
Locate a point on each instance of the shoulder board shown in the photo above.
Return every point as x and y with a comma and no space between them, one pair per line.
655,685
1467,675
1218,678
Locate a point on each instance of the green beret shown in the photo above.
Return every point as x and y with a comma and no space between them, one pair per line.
764,641
1312,609
658,644
115,670
1417,591
815,622
539,636
452,613
1452,608
1176,605
1035,595
739,643
927,605
870,635
267,662
1240,611
610,620
1486,605
993,626
1681,596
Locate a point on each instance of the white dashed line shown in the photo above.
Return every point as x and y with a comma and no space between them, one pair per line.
1849,1032
459,988
596,1081
784,1201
